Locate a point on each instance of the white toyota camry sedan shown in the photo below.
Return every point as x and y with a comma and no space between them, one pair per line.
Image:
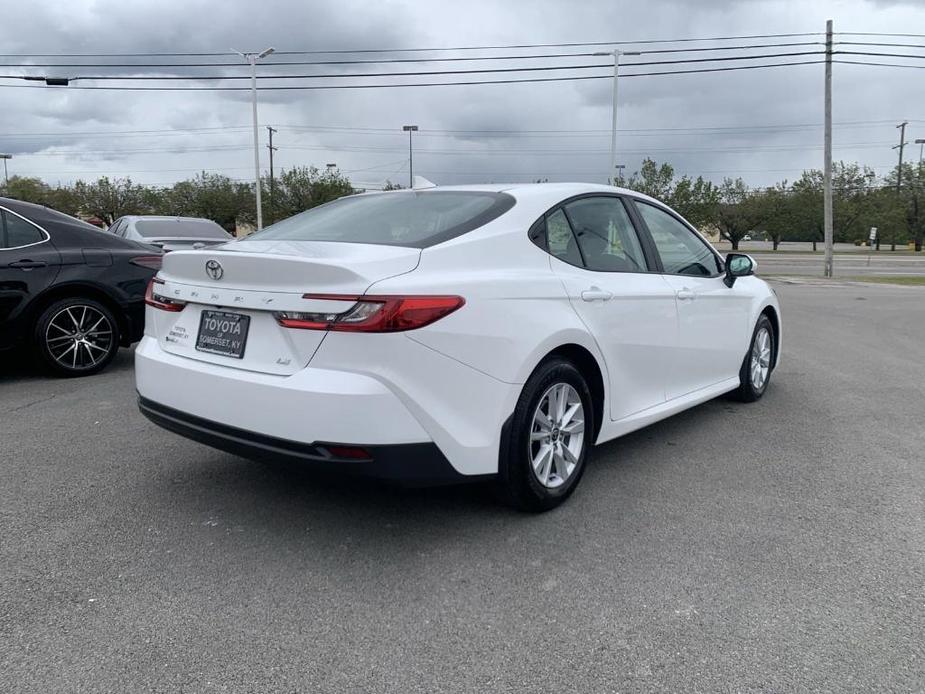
454,333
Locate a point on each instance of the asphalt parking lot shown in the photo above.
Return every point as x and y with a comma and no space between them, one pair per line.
778,546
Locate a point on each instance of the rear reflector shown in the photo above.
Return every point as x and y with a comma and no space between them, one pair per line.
348,452
152,262
373,314
156,300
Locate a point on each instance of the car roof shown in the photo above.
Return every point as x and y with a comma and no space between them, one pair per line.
552,191
164,218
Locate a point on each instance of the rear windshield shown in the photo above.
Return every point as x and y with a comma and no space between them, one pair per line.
180,228
406,218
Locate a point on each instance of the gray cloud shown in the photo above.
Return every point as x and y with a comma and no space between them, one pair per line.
736,101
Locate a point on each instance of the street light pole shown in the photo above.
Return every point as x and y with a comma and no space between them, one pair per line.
252,59
410,129
6,174
617,53
921,143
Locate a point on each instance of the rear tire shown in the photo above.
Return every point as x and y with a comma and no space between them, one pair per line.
76,337
545,448
758,364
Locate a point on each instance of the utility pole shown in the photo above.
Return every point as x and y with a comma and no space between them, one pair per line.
828,269
272,149
410,129
899,170
6,174
252,59
617,53
901,146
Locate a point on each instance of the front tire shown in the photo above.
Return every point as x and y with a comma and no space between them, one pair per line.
76,337
543,453
758,364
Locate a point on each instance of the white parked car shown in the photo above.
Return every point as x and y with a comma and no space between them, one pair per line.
454,333
170,233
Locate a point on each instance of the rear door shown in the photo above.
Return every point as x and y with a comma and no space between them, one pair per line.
629,309
29,264
713,318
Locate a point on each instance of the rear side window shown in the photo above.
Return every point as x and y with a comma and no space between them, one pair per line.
16,231
179,228
560,240
407,218
606,235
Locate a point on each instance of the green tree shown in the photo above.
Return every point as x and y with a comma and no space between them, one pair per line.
693,199
779,210
304,187
909,202
109,200
738,212
212,196
27,189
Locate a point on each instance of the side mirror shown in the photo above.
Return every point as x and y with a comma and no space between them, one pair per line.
738,265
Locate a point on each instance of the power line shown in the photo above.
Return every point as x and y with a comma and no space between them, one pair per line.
429,73
438,132
384,61
879,55
419,84
873,64
574,44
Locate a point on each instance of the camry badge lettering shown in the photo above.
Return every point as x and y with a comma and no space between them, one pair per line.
214,269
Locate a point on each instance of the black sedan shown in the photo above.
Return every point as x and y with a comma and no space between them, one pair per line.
69,292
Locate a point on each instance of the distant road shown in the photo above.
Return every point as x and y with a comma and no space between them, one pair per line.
850,260
846,264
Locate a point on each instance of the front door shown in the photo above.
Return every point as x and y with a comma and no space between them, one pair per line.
713,326
629,310
29,264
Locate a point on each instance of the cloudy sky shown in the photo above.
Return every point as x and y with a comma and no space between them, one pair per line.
763,125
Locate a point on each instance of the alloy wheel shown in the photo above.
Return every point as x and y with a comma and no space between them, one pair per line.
556,435
79,337
761,359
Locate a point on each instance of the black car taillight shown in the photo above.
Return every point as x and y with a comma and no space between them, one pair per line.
152,262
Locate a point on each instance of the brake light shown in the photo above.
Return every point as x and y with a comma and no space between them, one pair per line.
152,262
159,301
373,314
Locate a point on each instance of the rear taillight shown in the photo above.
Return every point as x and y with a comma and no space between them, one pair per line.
373,314
152,262
159,301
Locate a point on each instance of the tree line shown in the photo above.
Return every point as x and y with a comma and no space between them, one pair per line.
794,211
783,212
209,195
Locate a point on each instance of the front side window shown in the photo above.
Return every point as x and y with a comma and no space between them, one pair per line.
681,250
605,234
406,218
16,231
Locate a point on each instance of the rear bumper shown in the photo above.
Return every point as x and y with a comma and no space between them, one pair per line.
410,464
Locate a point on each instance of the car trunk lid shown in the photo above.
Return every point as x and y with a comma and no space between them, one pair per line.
257,278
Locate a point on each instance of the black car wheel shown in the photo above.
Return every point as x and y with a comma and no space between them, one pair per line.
543,454
755,372
76,337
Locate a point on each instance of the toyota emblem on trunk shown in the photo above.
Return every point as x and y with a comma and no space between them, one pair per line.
214,269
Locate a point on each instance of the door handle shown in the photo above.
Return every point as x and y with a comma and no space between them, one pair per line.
596,294
686,294
27,264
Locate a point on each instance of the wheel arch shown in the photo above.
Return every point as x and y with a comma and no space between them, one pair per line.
79,290
586,363
774,317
